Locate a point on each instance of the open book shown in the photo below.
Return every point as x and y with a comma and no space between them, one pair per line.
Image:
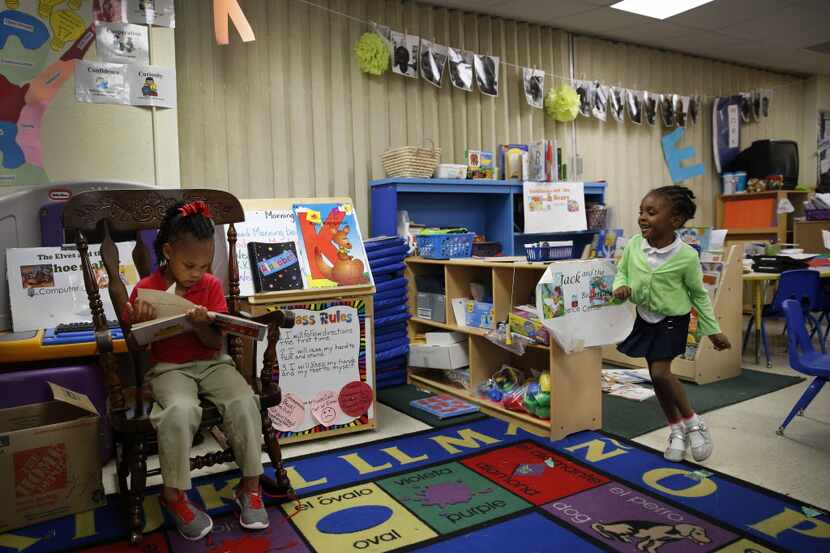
172,319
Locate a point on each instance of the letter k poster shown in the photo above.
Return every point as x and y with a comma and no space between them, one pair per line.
330,246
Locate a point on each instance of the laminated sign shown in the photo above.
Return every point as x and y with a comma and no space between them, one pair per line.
575,302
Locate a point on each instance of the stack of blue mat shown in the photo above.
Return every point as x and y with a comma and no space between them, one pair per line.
386,260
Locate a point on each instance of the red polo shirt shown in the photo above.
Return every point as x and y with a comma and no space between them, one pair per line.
185,347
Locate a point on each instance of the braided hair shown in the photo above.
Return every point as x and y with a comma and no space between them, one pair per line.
178,221
681,200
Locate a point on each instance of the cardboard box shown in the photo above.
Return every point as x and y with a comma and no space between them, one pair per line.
50,461
432,306
481,314
439,357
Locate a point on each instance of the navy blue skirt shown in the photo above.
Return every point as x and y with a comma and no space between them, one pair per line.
658,341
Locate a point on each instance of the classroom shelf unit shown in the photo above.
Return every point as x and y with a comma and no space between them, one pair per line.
575,395
489,207
709,365
754,216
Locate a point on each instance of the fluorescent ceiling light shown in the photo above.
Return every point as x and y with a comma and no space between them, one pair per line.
658,9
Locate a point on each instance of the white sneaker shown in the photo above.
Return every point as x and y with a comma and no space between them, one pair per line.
700,440
676,449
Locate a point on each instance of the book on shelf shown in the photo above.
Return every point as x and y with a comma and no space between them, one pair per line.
171,311
444,406
274,266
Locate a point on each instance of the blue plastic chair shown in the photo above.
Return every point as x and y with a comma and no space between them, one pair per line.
802,285
804,359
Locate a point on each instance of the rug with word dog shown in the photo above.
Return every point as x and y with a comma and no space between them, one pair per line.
476,487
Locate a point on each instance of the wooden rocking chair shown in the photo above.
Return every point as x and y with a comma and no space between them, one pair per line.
120,214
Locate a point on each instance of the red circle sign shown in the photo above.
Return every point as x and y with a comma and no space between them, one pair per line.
355,398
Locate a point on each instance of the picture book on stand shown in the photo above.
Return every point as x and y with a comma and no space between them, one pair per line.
331,250
444,406
274,266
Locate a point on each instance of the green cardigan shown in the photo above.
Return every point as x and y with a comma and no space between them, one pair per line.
672,289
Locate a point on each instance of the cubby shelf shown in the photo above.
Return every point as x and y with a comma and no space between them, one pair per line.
575,398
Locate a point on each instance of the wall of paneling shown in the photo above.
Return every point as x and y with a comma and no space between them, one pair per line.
292,115
630,157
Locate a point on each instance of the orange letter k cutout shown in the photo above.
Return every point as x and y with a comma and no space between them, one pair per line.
224,9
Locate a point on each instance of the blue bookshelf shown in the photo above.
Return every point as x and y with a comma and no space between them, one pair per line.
484,206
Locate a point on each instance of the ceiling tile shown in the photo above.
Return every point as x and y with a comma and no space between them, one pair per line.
820,7
719,14
540,12
796,28
600,20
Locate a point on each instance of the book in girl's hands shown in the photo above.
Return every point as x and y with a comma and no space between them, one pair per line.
444,406
274,266
172,309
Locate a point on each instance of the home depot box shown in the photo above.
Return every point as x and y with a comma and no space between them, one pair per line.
50,462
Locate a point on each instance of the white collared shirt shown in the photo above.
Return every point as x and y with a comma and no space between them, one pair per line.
657,257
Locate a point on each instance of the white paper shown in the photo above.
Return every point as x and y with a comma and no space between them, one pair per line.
574,302
785,206
405,54
554,207
717,238
160,13
459,309
152,86
122,43
320,353
46,285
101,83
825,237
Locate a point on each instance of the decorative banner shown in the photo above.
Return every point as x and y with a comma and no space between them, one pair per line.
675,157
461,68
289,414
726,131
46,285
575,304
160,13
554,207
326,350
534,87
355,398
122,43
101,83
325,408
433,60
229,9
405,54
152,86
487,74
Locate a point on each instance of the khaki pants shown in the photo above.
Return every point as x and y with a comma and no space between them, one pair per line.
176,414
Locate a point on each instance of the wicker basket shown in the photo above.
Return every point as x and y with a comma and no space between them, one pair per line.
411,161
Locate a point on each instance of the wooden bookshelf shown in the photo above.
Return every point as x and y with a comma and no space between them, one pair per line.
575,395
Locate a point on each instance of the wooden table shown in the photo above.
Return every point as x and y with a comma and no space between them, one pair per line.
759,282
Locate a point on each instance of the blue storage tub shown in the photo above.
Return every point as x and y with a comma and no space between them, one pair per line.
445,246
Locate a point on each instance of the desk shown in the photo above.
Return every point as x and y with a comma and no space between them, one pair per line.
758,281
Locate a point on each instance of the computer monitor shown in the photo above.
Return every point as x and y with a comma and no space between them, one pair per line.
765,158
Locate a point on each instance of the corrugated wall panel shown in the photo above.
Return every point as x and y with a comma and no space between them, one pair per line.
292,115
630,157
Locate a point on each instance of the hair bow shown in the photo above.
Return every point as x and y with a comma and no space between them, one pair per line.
195,208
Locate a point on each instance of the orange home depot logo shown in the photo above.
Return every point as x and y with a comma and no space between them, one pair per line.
40,470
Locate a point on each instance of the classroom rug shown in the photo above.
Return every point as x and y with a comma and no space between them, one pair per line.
483,486
625,417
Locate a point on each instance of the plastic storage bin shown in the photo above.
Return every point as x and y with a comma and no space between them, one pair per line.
445,246
549,251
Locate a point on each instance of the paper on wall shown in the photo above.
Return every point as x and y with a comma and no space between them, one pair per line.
554,207
152,86
101,83
574,301
122,43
